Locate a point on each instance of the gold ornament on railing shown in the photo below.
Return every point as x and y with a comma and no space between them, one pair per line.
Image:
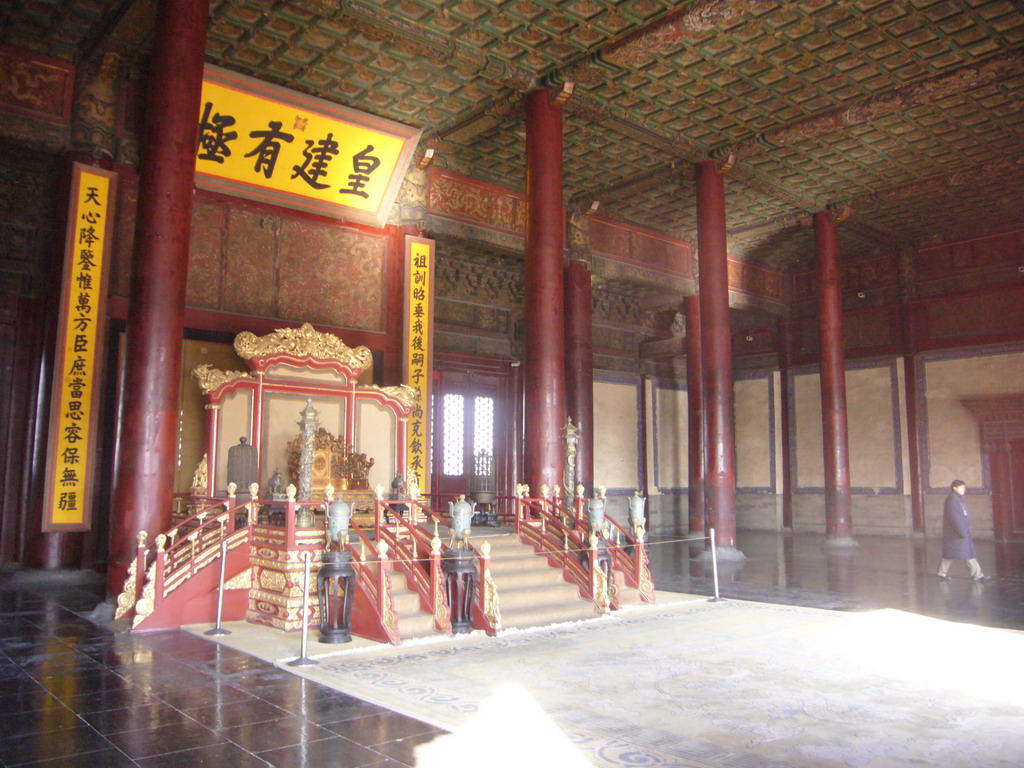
232,489
160,541
126,600
147,602
580,490
545,492
141,537
380,492
291,490
492,609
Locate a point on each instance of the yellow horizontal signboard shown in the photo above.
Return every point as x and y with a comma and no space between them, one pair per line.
280,146
76,378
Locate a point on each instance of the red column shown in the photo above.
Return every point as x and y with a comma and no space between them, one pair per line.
716,349
838,524
155,316
545,339
695,415
785,337
579,366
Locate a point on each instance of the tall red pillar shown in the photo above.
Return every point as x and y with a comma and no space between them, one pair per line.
716,356
838,523
695,416
785,352
155,316
579,365
545,333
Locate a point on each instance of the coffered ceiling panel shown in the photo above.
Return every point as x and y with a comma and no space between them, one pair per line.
907,113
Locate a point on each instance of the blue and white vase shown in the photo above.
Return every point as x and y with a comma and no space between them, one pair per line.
595,514
338,516
461,513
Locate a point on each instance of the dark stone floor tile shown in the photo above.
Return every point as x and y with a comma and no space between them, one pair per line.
165,684
26,700
41,665
166,738
57,718
282,732
331,709
237,713
404,750
43,746
152,715
219,755
336,752
381,727
99,701
75,682
231,665
103,758
215,693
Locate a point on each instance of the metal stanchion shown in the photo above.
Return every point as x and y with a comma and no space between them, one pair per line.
714,565
218,630
303,661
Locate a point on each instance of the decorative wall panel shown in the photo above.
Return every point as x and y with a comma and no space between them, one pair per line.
332,275
249,263
615,435
952,440
967,316
755,442
671,447
971,256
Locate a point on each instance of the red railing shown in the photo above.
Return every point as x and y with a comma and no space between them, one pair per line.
539,523
545,523
417,549
170,559
375,583
635,569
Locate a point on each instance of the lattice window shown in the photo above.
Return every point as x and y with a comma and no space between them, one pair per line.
483,422
454,446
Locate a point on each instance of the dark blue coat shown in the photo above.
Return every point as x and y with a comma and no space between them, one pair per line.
956,529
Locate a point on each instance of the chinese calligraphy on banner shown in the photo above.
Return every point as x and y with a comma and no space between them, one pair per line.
79,334
279,146
419,326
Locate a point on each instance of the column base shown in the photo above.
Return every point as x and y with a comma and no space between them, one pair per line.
723,555
840,542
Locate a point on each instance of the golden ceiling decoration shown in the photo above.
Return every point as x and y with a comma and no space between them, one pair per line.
403,393
305,341
210,378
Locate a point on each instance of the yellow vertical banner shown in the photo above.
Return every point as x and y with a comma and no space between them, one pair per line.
73,403
418,349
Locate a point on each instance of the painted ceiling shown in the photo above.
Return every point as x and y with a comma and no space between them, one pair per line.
906,114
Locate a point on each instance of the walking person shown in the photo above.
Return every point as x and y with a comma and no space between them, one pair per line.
957,543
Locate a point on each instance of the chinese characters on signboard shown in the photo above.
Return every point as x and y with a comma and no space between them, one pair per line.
419,287
79,335
283,147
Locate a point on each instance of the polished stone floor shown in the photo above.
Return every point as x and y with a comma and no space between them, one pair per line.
880,572
74,694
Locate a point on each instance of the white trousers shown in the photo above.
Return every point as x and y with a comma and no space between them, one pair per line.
972,566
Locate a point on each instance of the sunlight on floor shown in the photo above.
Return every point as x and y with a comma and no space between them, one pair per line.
510,730
976,661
